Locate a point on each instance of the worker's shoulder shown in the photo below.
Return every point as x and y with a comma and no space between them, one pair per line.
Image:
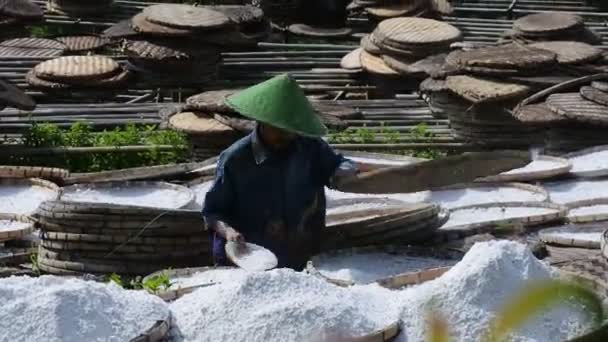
312,142
237,151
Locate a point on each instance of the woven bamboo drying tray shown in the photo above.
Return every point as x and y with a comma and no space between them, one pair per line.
136,173
386,334
15,256
604,245
171,295
395,281
157,333
552,236
19,232
559,213
591,217
534,175
178,256
49,173
591,173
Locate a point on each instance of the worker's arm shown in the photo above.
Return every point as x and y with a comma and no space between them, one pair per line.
334,167
218,204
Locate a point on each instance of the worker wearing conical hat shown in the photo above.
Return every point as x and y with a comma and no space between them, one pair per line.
269,186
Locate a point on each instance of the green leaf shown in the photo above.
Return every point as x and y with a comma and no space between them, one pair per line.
539,297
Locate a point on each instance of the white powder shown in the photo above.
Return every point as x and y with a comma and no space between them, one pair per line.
251,257
461,217
58,309
591,237
363,268
10,225
283,305
455,198
208,277
576,190
137,195
469,295
200,191
361,204
535,166
597,209
280,305
590,162
24,199
379,161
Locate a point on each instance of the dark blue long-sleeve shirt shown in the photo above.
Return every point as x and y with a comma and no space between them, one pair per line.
274,200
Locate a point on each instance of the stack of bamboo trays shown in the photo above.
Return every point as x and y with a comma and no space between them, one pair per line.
478,89
386,9
401,224
542,27
98,238
574,120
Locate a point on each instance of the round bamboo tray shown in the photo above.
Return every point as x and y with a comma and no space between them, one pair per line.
93,267
589,173
171,295
149,231
599,214
394,281
157,333
15,256
123,248
386,334
558,213
187,197
118,240
604,244
26,227
591,272
177,256
49,173
554,237
134,174
562,166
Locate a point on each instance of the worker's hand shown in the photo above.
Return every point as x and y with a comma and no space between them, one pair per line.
234,236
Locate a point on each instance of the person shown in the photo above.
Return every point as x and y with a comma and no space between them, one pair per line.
269,187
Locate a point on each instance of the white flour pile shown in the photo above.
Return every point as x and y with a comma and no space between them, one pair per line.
208,277
138,195
597,209
57,309
590,162
461,217
363,268
280,305
470,294
251,257
589,237
11,225
457,197
24,199
536,166
200,191
576,190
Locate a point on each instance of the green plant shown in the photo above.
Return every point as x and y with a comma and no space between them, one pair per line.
158,282
116,279
81,135
535,299
35,263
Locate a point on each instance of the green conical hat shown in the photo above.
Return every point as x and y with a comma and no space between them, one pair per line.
281,103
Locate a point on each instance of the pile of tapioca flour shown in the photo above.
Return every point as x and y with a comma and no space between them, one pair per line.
280,305
470,293
54,309
283,305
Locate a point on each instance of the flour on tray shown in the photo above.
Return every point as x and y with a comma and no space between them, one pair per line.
200,191
10,225
590,237
597,209
590,162
576,190
536,166
24,199
462,217
57,309
363,268
454,198
137,195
